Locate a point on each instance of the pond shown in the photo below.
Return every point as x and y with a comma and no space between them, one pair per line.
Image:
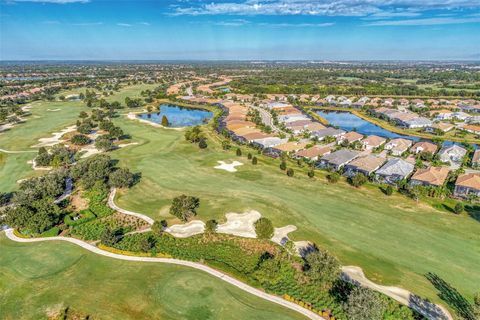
349,122
178,116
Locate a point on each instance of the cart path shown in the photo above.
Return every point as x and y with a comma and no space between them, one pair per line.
275,299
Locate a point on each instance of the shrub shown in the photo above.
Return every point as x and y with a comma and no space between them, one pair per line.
311,173
290,172
104,143
358,180
389,190
283,165
365,304
202,144
264,228
239,152
249,156
121,178
254,160
211,226
459,208
165,122
333,177
109,237
225,145
157,228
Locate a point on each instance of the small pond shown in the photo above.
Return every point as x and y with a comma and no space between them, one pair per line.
178,116
349,122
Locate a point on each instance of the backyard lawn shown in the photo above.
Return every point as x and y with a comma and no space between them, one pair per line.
39,278
395,239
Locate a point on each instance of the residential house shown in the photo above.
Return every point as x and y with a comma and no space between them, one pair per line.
475,129
419,122
372,142
453,154
393,171
365,165
439,126
314,152
432,176
350,137
268,142
461,116
398,146
424,146
328,132
336,160
467,185
287,147
476,159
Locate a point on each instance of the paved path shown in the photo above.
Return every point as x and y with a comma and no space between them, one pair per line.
112,205
12,152
266,117
198,266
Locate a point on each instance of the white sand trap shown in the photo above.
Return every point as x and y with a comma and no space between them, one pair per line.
280,235
123,145
38,168
240,224
230,167
53,110
48,142
303,247
186,230
89,151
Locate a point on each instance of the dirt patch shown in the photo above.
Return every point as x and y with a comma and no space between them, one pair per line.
77,202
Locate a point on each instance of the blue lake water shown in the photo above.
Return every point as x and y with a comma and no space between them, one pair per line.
178,116
350,122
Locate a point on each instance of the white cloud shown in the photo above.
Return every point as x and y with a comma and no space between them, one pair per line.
87,24
121,24
423,22
145,23
297,25
232,23
319,7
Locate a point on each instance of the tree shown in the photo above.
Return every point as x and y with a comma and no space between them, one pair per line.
157,228
290,172
109,237
476,305
249,156
459,208
104,143
365,304
322,268
115,133
358,180
264,228
283,165
225,145
165,122
254,160
184,207
333,177
239,152
80,140
311,173
389,190
121,178
211,226
194,134
202,144
83,115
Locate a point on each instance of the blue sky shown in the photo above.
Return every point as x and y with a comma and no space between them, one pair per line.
240,29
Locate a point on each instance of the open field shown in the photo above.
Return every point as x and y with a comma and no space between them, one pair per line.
396,240
106,288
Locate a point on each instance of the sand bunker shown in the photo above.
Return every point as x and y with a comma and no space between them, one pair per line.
280,235
48,142
230,167
123,145
53,110
38,168
186,230
240,224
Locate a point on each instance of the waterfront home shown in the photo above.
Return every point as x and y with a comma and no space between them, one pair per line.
330,99
432,176
388,102
314,152
291,117
250,137
418,122
476,159
372,142
314,126
365,165
470,108
475,129
439,126
467,185
453,154
442,114
350,137
327,132
393,171
424,146
398,146
336,160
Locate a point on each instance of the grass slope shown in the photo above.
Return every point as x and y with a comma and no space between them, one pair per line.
396,240
45,276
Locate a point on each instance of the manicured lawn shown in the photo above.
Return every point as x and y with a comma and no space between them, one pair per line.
38,277
396,240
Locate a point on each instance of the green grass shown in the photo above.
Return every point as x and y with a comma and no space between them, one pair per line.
396,240
45,276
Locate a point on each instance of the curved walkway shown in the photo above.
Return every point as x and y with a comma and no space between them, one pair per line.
13,152
112,205
213,272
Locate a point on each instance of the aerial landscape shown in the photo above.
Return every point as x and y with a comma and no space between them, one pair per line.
240,159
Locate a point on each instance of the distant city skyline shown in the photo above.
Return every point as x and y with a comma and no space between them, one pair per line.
240,30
